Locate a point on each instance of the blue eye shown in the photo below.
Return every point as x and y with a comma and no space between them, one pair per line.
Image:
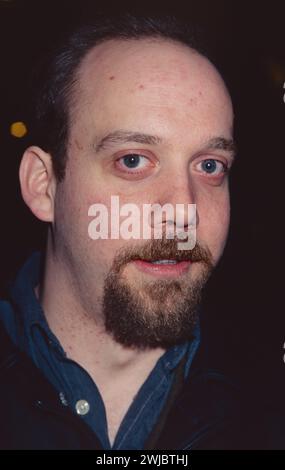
213,167
132,160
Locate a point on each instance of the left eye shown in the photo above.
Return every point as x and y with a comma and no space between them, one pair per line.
212,167
133,161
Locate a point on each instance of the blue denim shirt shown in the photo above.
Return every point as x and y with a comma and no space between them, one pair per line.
28,328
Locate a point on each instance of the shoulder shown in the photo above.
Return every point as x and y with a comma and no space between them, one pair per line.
8,323
217,411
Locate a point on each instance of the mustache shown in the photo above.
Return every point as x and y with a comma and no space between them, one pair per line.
163,249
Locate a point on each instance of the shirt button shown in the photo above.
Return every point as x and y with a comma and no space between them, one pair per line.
82,407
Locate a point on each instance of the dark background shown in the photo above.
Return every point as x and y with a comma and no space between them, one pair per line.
243,309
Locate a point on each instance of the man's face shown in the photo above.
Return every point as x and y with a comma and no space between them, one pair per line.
126,90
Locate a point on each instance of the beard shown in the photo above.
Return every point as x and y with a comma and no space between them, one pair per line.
159,313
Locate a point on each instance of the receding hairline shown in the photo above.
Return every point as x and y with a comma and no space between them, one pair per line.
155,39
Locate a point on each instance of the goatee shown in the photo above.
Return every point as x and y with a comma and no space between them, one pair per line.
159,313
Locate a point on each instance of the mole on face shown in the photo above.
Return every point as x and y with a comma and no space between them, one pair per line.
79,147
112,77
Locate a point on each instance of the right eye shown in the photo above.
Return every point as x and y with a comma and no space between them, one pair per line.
132,161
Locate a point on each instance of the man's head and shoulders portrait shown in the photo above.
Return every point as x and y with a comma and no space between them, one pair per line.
104,330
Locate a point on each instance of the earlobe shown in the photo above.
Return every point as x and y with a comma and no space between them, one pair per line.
37,183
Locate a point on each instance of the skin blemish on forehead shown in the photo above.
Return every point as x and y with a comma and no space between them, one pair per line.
191,101
78,145
112,77
141,87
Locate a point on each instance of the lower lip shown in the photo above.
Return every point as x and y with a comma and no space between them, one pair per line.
163,270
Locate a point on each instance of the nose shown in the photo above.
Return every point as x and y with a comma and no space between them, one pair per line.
176,203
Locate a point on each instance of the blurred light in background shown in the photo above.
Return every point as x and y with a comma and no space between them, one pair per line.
18,129
276,71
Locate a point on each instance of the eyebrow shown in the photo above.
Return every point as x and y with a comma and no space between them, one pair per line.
221,143
123,137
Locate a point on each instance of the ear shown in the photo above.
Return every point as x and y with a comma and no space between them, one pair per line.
38,183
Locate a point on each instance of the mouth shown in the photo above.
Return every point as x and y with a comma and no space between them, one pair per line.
163,267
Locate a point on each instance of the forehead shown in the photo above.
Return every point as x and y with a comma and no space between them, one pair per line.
160,77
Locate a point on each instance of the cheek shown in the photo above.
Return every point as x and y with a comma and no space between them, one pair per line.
73,199
213,225
223,226
95,257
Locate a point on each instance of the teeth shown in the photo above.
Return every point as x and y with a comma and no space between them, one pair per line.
164,261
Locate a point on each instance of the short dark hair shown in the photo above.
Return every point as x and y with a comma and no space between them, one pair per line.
57,75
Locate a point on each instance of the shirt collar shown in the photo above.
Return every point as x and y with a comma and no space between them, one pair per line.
23,290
